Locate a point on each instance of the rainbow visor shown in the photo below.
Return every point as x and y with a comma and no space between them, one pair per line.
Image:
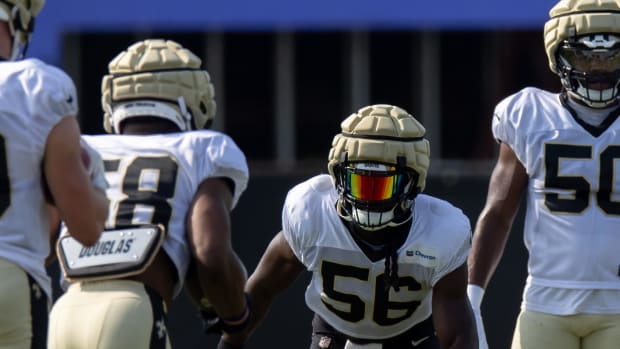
365,184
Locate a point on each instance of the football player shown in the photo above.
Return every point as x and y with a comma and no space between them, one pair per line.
172,187
561,151
40,163
388,263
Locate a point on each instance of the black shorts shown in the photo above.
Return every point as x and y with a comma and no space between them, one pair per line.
420,336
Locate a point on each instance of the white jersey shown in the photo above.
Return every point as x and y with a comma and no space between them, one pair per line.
153,179
34,97
573,203
347,288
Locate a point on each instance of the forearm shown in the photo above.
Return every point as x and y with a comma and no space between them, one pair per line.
457,329
85,219
452,313
262,300
228,275
507,184
461,333
102,205
487,249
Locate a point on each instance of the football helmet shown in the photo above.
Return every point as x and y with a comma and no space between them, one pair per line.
582,42
379,164
20,15
157,78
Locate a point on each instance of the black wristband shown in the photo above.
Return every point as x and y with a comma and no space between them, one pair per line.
212,323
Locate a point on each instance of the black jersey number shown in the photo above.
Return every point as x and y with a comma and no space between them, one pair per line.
381,304
161,173
5,182
579,185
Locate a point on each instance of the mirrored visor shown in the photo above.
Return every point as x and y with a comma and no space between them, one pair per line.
601,60
371,185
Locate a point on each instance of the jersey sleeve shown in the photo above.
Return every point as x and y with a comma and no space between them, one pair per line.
458,245
503,129
225,159
291,227
52,96
302,205
512,120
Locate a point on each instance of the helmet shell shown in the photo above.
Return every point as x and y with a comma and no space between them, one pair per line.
160,70
572,18
382,133
20,15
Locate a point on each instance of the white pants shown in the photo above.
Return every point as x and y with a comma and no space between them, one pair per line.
108,314
536,330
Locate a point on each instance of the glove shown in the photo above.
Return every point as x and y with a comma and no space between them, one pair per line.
213,323
475,294
94,166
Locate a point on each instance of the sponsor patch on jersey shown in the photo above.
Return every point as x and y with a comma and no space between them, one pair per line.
420,255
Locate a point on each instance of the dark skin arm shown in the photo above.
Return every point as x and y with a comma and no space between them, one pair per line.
452,314
54,227
221,273
506,186
81,206
276,271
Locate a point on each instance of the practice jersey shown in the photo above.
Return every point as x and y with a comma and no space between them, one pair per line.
34,97
347,289
573,203
153,179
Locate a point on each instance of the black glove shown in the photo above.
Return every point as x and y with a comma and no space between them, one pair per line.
212,323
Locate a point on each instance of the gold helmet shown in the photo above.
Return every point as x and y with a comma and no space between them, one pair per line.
379,163
157,78
20,15
582,40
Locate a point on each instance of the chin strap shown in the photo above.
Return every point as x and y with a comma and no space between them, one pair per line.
391,269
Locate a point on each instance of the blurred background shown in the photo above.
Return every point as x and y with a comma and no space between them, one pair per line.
286,73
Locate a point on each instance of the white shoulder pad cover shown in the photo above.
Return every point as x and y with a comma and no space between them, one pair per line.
451,229
224,158
303,203
51,89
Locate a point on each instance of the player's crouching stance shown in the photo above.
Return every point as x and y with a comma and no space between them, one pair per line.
172,186
388,264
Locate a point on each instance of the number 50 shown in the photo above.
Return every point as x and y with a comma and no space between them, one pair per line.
579,185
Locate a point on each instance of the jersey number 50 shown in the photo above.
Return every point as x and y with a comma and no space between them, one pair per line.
579,185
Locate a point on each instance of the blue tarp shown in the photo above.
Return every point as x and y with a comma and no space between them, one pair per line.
61,16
